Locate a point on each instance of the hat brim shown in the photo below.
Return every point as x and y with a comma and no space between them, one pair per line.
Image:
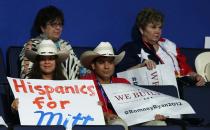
87,58
31,55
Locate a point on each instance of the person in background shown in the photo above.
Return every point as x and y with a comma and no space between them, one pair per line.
48,24
151,49
47,64
102,61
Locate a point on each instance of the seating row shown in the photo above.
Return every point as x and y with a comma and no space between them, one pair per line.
194,95
107,127
13,63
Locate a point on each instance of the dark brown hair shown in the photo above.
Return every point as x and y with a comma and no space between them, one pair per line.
36,73
45,15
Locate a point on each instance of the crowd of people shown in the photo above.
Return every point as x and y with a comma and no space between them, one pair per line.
49,57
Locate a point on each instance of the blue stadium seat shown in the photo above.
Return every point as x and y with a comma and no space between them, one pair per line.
198,98
197,128
79,50
52,127
3,78
156,128
191,54
98,127
13,63
3,127
3,106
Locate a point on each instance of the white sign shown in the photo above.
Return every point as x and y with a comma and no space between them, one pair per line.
137,105
2,122
51,102
207,42
161,75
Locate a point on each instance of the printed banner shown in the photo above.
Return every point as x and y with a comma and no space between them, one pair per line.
161,75
51,102
137,105
2,122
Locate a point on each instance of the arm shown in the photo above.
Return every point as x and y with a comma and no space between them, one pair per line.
185,69
72,64
26,65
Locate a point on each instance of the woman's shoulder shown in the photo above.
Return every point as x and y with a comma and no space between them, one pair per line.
167,44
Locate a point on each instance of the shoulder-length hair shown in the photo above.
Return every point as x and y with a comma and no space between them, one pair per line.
36,72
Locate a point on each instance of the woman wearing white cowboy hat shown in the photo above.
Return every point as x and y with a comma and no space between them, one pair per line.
101,61
47,64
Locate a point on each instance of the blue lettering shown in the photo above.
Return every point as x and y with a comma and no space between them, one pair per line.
49,117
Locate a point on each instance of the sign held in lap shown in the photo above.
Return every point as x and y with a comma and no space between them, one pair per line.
137,105
48,102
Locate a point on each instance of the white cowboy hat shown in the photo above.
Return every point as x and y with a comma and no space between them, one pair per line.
103,49
200,63
47,48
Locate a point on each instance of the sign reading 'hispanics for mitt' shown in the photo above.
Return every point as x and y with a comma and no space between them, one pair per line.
61,102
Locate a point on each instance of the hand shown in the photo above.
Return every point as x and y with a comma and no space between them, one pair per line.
110,116
160,117
15,104
150,64
200,81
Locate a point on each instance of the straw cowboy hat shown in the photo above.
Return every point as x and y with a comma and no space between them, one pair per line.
103,49
47,48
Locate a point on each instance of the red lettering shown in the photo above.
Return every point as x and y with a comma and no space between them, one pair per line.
76,88
52,104
30,87
82,89
91,90
63,103
49,90
59,89
38,102
21,85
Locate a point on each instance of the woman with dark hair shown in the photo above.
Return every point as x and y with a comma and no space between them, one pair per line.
47,65
38,73
48,24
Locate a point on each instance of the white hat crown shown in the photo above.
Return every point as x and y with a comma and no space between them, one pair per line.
47,47
105,49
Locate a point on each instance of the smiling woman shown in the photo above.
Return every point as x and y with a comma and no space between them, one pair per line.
47,61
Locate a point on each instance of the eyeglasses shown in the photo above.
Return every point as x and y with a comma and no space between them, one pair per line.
55,24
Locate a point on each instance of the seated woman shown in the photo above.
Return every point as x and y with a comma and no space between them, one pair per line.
48,24
102,61
151,49
47,63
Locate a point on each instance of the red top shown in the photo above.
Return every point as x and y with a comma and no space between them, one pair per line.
100,95
185,69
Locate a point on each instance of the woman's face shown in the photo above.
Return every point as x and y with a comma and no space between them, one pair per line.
53,30
152,33
47,64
